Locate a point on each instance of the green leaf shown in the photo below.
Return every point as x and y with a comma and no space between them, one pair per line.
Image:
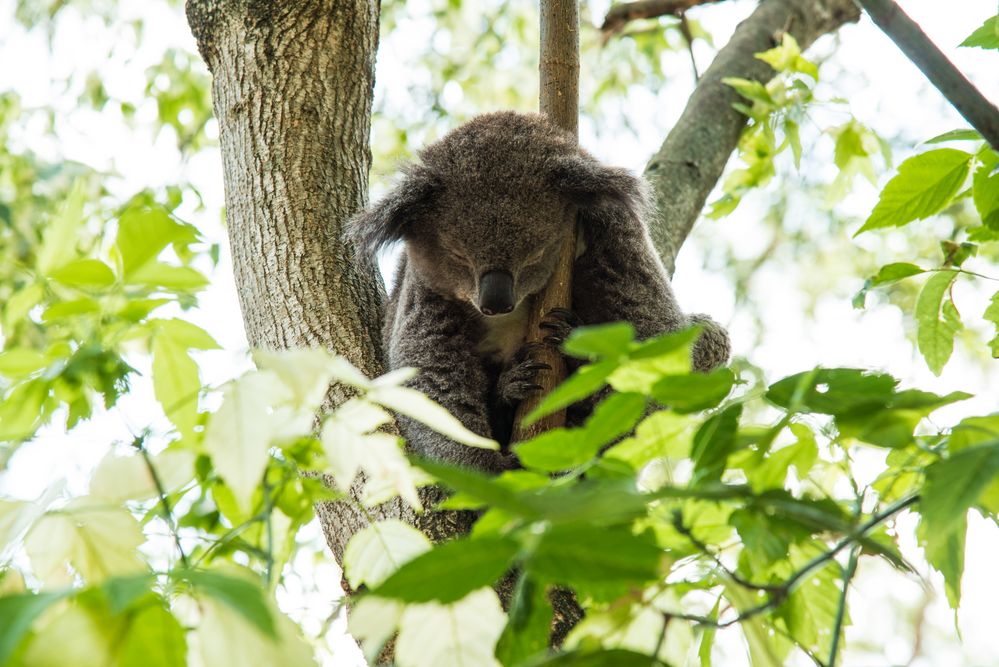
889,273
462,634
17,613
85,273
787,58
619,561
945,553
143,233
832,391
529,625
955,135
985,190
186,334
604,340
176,383
992,315
154,639
479,486
121,592
21,409
374,553
175,278
241,595
61,233
986,37
418,406
561,449
751,90
19,362
696,391
713,442
954,484
586,381
935,333
450,571
925,183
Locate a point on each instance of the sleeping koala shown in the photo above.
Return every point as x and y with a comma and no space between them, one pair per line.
482,218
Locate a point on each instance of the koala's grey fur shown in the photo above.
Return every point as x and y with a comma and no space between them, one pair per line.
489,196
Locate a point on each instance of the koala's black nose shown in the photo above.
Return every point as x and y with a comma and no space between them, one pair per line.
496,292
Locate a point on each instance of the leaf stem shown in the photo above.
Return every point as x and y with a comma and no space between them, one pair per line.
139,444
851,569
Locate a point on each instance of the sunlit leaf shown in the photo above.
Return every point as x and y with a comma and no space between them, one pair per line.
418,406
97,539
226,637
924,185
986,37
936,323
154,639
60,237
85,273
238,435
450,571
453,635
375,552
176,382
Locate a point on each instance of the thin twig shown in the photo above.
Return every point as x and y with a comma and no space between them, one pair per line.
851,568
779,595
139,444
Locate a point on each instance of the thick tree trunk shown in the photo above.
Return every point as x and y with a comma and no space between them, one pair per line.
292,88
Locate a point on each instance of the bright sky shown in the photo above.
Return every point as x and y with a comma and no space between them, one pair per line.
884,90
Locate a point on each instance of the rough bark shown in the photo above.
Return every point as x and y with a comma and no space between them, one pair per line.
292,90
691,159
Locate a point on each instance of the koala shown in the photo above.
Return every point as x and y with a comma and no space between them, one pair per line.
482,219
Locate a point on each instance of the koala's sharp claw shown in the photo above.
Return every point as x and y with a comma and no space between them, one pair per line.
565,315
537,366
534,387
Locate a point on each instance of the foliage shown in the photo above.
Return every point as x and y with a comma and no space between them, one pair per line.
686,504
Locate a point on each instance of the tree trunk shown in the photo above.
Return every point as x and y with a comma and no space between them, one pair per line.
292,89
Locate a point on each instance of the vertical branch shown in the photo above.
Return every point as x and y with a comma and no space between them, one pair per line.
559,100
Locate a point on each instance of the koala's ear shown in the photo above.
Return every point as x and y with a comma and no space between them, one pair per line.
587,183
392,217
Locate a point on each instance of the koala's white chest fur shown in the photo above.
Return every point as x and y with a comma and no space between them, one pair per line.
504,334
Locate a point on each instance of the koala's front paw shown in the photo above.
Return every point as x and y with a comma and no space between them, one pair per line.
519,380
559,323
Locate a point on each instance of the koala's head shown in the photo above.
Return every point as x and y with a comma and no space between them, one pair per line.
483,213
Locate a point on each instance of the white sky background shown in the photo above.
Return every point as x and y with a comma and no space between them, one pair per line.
884,91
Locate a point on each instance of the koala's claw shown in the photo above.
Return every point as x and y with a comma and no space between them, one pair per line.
559,322
520,380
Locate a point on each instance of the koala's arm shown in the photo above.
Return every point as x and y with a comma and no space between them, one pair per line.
619,277
432,334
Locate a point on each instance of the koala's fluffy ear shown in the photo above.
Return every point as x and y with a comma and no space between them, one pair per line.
392,217
587,183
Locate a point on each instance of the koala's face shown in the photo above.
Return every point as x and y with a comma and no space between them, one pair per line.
488,244
484,213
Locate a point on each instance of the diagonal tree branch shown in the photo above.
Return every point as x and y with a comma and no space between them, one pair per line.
968,100
691,160
620,15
